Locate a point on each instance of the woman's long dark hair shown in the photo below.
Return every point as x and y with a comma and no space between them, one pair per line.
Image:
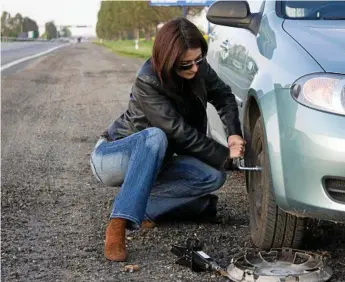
171,42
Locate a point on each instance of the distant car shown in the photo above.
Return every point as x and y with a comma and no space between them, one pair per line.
285,63
64,39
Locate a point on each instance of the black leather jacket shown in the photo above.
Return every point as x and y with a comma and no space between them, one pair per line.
180,111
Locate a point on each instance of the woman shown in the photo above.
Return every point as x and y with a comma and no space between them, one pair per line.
158,150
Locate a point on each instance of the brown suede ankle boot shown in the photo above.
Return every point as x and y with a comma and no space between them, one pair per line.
115,240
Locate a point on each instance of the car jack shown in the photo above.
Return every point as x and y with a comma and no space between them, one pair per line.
193,257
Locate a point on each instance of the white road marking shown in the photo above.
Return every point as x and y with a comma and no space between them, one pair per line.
11,64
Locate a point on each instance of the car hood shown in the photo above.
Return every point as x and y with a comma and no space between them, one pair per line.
322,39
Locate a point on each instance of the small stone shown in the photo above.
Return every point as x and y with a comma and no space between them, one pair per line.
89,249
131,268
14,274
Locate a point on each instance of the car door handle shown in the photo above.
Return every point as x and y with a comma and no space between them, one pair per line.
225,45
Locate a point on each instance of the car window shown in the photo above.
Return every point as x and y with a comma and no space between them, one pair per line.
314,10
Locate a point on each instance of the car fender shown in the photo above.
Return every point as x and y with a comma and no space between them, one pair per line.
264,104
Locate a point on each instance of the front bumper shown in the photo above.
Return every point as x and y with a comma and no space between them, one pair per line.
307,155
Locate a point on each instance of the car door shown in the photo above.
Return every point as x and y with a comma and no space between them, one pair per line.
228,56
215,127
236,66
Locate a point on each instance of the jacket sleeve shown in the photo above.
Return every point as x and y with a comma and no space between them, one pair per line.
161,113
221,97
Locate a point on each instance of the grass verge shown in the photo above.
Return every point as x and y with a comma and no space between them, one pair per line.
127,48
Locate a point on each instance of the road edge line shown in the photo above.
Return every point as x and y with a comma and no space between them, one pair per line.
11,64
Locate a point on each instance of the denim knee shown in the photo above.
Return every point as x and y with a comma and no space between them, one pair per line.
218,179
157,138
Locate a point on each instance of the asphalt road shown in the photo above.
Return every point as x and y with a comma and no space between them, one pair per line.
14,51
53,211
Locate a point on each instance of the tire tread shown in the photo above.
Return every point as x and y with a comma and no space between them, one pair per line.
279,229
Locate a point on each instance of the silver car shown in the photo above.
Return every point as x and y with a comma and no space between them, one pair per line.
285,63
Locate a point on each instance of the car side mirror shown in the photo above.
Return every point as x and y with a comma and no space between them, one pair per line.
234,14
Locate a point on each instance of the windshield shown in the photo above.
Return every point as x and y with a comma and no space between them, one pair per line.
314,10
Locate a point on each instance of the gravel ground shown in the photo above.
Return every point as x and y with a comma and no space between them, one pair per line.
54,213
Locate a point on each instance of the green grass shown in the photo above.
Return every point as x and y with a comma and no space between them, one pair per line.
127,48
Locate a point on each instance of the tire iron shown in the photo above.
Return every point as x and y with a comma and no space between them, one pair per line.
239,162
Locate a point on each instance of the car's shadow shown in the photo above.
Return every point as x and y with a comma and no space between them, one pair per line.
327,238
324,235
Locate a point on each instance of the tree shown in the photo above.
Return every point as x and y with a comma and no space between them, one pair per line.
11,26
119,19
51,30
17,25
5,17
30,25
65,32
100,28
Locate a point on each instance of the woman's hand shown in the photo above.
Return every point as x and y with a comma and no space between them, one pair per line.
236,146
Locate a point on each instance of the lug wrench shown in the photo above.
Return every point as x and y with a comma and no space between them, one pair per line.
239,162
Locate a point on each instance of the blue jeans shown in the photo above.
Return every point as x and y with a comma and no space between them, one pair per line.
149,191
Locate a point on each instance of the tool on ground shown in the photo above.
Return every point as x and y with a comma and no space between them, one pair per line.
275,265
193,257
239,162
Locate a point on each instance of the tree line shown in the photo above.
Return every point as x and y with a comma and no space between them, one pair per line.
120,20
19,26
51,31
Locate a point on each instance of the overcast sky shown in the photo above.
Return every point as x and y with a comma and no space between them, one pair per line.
67,12
62,12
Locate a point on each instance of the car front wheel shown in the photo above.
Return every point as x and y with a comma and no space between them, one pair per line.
270,226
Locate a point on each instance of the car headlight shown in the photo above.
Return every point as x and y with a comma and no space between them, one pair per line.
321,91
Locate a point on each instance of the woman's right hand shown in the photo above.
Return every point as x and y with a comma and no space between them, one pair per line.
236,146
236,151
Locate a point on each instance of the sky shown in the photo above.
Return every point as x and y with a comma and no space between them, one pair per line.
62,12
67,12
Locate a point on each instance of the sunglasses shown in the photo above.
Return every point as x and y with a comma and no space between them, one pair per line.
190,65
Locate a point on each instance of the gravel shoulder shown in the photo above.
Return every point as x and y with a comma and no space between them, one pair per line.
54,213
